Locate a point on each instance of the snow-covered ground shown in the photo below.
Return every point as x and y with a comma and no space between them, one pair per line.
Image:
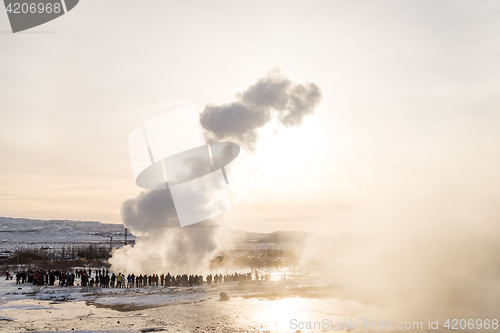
255,306
27,308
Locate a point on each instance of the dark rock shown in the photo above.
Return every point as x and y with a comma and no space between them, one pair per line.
223,297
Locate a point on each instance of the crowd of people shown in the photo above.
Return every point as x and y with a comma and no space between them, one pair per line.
41,277
105,279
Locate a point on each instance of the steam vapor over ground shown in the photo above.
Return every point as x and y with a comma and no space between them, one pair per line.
161,244
428,239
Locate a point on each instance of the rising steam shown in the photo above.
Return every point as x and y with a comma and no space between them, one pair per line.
427,241
271,95
161,244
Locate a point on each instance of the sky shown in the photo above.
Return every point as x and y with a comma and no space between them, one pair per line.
410,95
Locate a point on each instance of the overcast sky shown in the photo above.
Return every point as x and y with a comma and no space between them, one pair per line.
407,85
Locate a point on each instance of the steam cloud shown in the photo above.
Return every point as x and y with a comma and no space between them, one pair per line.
271,95
161,244
429,242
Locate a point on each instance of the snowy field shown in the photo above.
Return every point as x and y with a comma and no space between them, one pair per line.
255,306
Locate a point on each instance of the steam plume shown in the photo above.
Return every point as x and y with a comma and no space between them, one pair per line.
430,241
161,244
271,95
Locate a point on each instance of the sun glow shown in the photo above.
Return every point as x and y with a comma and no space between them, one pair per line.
286,154
277,314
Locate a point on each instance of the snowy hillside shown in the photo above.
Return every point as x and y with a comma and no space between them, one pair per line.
19,232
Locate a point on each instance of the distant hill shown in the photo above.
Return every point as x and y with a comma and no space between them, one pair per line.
270,237
20,232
